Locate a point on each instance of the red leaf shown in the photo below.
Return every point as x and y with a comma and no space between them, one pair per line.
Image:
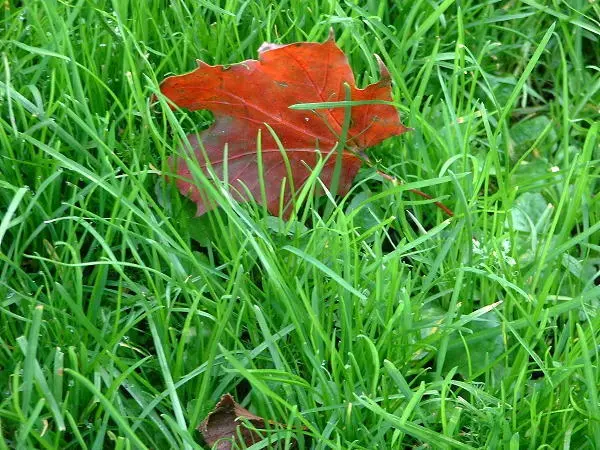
245,96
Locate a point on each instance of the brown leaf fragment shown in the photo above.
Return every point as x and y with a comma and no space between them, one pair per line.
224,425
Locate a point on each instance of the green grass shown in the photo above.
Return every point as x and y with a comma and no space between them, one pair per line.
384,324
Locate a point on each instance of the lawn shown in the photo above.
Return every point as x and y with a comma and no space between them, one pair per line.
372,320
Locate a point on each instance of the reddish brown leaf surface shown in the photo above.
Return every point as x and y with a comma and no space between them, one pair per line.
225,424
245,96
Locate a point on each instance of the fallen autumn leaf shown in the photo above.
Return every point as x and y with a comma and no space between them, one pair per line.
224,425
247,96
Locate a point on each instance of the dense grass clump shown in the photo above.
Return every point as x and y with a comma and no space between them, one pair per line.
381,324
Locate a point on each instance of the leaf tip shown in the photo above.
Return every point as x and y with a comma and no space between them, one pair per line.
331,35
383,70
266,46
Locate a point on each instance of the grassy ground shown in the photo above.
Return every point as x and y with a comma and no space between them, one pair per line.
123,319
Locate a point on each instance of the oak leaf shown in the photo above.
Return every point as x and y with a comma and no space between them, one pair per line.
247,96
